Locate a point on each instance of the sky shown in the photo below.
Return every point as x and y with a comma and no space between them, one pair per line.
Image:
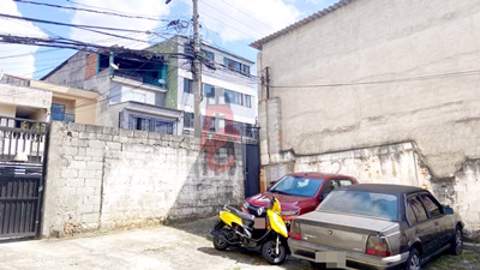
228,24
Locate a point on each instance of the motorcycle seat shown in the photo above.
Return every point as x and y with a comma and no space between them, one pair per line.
246,218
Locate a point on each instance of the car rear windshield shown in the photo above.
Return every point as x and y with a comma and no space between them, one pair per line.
362,203
297,186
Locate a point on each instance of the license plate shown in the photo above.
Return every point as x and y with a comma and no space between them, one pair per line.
333,259
260,223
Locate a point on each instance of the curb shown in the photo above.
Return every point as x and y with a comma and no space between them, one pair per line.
470,244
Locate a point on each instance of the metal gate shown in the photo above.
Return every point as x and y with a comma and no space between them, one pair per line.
20,200
252,169
22,155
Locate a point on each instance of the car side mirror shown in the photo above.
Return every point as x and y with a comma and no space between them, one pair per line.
447,210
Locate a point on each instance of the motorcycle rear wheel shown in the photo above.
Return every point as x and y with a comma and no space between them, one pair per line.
220,240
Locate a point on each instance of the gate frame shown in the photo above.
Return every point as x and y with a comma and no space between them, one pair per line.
41,165
9,170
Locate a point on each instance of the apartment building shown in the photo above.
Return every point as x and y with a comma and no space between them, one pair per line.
132,89
229,103
154,93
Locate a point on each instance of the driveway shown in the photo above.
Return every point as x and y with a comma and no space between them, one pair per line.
180,247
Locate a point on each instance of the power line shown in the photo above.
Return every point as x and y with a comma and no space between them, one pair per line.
406,79
238,29
245,13
26,54
111,13
81,26
79,45
108,9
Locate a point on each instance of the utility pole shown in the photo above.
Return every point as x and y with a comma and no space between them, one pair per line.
196,69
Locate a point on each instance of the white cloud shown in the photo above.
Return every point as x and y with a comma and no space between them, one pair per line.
148,8
21,65
236,20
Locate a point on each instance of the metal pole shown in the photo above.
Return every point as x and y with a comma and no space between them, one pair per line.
196,71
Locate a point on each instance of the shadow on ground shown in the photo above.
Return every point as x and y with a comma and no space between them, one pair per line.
200,227
244,256
469,260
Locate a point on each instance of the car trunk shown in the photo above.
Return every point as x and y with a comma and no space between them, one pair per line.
340,231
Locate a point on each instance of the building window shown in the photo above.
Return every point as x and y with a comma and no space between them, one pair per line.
210,56
58,113
248,101
187,85
233,97
236,66
150,124
208,90
209,123
188,120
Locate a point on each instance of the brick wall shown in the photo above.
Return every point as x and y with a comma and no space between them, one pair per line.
91,66
104,178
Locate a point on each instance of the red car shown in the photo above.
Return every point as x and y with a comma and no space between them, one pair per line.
298,193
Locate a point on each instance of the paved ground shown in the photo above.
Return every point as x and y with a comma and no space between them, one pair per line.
183,247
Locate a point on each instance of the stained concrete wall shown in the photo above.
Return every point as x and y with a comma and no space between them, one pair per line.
71,73
103,178
398,163
376,73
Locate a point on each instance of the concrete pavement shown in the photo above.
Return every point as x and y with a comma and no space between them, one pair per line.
160,248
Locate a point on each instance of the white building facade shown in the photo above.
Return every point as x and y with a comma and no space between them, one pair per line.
229,102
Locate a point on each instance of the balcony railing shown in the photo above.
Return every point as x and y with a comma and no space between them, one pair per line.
140,77
22,140
63,117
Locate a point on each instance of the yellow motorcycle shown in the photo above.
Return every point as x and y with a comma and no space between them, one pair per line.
266,233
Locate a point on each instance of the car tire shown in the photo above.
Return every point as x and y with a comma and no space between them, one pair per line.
269,254
456,246
414,261
318,266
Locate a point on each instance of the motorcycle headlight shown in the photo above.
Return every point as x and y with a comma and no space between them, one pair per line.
260,211
290,212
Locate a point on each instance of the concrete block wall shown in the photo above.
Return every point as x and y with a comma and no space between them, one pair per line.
105,178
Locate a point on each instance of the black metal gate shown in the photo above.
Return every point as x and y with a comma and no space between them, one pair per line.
252,169
22,156
20,200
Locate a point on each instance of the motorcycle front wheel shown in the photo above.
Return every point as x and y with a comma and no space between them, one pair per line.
271,254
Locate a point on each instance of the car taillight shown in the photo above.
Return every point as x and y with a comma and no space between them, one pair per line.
295,232
377,246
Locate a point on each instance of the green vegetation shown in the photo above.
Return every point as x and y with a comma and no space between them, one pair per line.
469,260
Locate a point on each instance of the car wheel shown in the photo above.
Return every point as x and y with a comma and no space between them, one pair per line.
270,254
414,261
456,247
